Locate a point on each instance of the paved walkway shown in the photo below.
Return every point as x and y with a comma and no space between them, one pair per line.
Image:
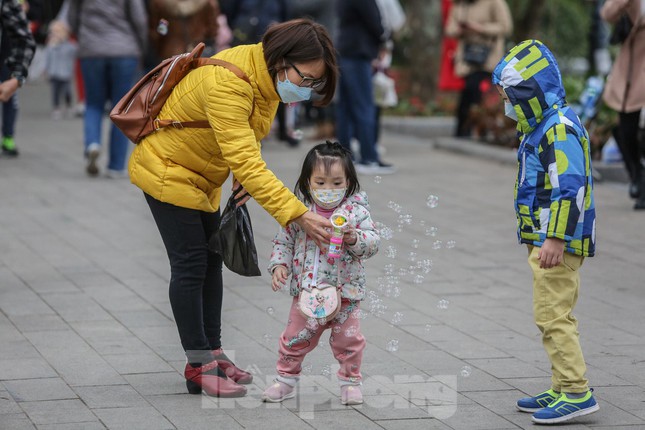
88,342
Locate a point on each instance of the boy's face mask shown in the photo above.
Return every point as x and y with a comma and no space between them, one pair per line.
509,111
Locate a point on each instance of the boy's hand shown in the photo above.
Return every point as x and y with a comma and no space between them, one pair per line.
279,277
551,252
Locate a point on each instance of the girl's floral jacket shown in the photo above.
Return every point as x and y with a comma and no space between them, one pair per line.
310,267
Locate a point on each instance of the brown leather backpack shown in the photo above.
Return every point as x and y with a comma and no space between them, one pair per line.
136,113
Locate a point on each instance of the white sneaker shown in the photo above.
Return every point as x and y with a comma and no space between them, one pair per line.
374,168
92,153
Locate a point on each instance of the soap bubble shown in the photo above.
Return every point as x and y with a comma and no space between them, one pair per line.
466,371
267,338
270,310
312,324
394,206
405,219
428,327
383,230
443,304
326,370
425,266
377,179
337,329
392,346
432,231
451,244
351,331
396,291
432,201
359,314
403,271
396,318
437,244
418,279
307,368
415,243
388,269
412,256
390,252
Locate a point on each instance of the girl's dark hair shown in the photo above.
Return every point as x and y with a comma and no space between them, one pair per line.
300,41
326,154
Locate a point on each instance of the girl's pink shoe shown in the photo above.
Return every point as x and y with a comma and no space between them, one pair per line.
351,395
231,370
277,392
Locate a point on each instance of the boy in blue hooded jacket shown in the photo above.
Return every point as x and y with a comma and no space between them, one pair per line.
556,218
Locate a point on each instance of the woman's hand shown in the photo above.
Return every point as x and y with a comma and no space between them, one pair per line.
279,277
317,227
241,193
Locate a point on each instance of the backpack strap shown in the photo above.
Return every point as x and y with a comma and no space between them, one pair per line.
199,62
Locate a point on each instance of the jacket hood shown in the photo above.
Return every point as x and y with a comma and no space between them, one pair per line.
532,81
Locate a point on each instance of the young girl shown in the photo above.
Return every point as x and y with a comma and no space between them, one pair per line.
327,182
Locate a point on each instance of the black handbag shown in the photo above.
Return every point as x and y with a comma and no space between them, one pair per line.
476,54
234,240
621,30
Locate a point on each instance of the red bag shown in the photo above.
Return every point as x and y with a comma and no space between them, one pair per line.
136,113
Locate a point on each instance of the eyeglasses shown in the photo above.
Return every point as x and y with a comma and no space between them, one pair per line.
307,81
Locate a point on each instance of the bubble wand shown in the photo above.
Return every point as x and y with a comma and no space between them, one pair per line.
339,221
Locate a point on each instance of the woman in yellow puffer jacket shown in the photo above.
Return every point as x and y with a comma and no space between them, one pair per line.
181,172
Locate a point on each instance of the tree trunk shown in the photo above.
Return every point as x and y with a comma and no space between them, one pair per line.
526,25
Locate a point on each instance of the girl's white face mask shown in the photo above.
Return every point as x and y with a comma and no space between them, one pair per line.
328,199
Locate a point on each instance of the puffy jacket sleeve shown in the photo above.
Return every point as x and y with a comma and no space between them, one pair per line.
283,249
563,158
229,106
369,239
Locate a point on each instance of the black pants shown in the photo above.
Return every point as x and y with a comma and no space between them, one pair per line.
627,139
470,95
196,286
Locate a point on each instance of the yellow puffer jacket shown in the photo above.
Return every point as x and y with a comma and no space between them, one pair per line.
188,167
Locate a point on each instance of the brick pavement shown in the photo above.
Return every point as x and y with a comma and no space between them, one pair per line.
88,340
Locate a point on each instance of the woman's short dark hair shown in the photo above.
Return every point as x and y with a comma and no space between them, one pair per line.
300,41
326,154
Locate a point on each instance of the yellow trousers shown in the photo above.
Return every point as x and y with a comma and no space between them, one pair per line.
555,293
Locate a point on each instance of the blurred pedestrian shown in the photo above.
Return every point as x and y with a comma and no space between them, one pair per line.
182,172
112,37
556,218
323,12
360,36
480,26
17,48
177,26
625,89
248,20
59,66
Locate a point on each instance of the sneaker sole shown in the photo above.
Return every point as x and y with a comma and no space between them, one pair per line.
580,413
531,410
285,397
92,169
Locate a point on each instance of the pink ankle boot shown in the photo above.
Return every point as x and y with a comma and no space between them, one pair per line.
277,392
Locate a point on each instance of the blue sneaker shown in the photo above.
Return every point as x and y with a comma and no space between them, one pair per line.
535,403
564,409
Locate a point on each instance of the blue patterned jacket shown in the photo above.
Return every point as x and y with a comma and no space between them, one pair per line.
554,187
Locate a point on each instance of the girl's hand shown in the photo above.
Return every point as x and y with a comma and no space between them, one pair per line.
350,237
279,277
